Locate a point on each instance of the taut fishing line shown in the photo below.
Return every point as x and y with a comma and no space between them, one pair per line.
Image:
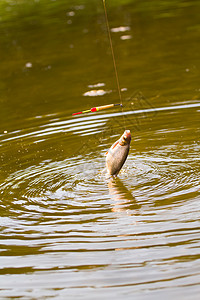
98,108
113,57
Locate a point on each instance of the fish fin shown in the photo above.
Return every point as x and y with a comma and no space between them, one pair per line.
115,144
112,147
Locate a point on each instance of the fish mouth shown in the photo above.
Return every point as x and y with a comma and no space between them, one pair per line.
127,135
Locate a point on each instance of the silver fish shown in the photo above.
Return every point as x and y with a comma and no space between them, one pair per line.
117,154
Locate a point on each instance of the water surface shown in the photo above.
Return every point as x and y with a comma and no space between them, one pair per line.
67,232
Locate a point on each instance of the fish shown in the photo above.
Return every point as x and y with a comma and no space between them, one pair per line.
117,154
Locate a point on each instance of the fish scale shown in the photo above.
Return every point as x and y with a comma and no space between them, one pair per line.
117,154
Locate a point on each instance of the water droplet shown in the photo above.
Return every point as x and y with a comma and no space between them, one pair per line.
125,37
93,93
70,13
28,65
120,29
96,85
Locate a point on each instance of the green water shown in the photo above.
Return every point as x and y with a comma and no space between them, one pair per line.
67,232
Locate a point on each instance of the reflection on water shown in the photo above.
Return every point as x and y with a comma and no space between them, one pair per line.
122,196
66,230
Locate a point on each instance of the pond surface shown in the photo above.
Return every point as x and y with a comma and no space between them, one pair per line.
67,232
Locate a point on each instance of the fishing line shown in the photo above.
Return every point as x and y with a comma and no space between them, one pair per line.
113,57
98,108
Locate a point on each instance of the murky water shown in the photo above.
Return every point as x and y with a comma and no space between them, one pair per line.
67,232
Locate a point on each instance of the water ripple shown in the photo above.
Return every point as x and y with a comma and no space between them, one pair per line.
59,213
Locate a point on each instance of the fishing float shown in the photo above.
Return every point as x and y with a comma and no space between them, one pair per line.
97,108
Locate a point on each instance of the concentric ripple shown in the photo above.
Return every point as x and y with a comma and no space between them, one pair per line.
62,218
